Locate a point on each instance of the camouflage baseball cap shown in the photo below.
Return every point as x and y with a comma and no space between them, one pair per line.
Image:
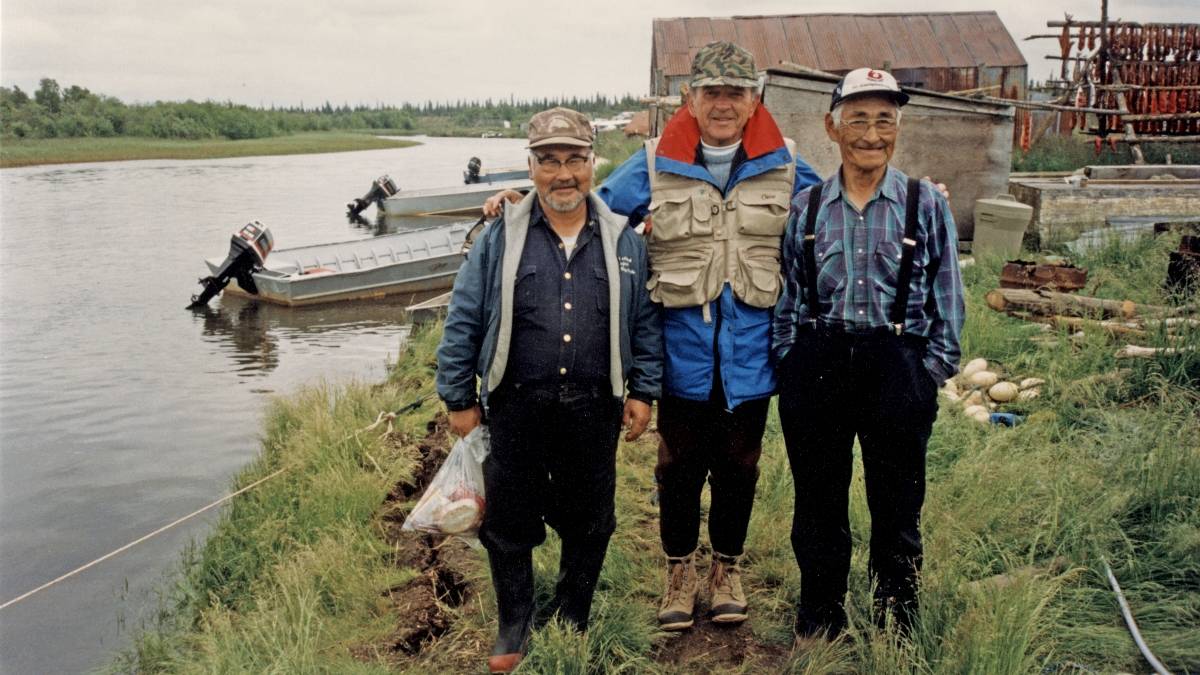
723,63
560,126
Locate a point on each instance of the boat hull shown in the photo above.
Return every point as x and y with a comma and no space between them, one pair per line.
462,200
407,263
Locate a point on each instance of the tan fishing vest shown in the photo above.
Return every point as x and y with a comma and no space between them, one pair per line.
700,240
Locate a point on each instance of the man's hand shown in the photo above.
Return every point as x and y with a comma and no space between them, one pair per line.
463,421
635,418
940,186
494,205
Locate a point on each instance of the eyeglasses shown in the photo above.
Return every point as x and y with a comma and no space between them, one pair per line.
548,164
883,125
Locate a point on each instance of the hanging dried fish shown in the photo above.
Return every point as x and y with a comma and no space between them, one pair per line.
1026,131
1091,38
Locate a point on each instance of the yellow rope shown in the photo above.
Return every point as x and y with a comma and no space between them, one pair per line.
131,544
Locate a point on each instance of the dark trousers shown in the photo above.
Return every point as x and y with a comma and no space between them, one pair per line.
701,440
552,462
833,387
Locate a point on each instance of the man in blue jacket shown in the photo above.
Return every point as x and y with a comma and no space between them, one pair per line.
716,185
551,312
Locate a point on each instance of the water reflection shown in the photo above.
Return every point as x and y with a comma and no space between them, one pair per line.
253,334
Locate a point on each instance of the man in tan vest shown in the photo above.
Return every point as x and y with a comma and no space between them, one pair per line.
717,184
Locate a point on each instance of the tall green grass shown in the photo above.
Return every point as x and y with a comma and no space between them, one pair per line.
1018,523
1067,153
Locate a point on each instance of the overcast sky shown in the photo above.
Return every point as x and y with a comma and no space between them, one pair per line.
264,52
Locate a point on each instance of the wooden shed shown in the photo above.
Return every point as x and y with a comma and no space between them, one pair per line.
938,51
965,143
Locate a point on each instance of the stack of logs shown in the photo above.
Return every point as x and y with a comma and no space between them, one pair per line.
1119,318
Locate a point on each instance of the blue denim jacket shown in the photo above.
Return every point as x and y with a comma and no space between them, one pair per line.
478,327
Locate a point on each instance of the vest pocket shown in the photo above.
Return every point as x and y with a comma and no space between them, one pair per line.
681,215
675,277
763,212
757,281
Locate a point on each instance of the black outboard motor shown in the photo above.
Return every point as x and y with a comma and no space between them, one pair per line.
381,189
471,175
248,251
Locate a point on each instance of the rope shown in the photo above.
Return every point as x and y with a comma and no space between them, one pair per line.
131,544
1133,629
385,416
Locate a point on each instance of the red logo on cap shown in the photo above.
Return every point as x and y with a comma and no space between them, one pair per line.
874,75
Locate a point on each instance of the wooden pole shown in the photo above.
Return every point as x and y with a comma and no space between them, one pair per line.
1155,139
1130,136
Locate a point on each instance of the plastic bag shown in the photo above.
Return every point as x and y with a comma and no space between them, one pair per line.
454,501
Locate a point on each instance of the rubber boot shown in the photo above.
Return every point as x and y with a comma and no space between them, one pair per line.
512,577
578,571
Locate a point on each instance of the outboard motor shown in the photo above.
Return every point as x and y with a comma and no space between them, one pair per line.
248,251
381,189
471,175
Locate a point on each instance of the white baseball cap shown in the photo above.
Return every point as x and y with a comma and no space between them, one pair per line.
868,81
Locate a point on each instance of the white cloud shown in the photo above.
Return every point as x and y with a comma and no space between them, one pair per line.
272,51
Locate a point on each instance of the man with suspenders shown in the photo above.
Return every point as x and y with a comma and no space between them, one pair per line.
866,331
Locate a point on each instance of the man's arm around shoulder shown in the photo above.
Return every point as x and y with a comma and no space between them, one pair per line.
646,344
627,189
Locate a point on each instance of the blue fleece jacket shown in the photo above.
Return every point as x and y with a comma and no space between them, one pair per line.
692,349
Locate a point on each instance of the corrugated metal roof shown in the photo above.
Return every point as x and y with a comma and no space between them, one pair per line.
841,42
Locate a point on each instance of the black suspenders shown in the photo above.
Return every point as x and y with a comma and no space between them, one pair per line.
810,245
900,306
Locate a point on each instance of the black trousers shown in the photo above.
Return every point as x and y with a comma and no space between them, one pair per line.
701,440
835,386
552,461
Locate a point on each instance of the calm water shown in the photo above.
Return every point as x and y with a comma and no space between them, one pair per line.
121,411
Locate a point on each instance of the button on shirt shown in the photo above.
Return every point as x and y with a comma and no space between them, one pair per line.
858,262
560,306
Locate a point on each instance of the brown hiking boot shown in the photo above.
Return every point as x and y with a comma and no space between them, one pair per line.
679,599
725,592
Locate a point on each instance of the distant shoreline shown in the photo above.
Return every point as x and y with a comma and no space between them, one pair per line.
40,151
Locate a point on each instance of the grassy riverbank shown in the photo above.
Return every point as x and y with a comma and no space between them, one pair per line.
309,572
27,152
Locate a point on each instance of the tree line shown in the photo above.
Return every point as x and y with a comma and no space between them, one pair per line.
55,112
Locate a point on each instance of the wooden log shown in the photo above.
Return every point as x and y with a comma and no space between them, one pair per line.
1080,324
1135,351
1050,302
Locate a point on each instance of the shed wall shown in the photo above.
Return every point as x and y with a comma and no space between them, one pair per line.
965,144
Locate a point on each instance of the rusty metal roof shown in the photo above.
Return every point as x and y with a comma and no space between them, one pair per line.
842,42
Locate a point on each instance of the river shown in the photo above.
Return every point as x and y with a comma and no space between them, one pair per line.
121,411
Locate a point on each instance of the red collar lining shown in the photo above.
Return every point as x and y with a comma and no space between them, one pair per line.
682,135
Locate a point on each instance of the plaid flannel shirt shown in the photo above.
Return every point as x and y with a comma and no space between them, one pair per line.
858,261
